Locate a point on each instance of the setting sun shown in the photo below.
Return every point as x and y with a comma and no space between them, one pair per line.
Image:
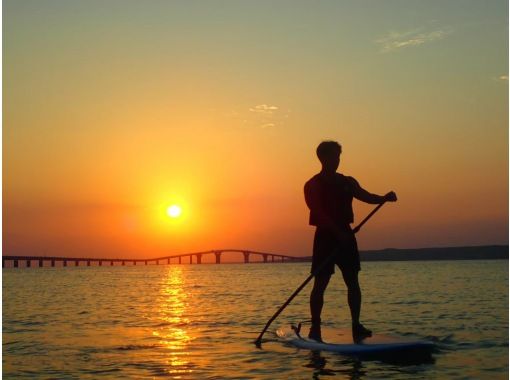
174,211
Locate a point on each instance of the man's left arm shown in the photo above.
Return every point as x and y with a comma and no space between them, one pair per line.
361,194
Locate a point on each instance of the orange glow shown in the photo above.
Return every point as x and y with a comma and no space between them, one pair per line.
111,142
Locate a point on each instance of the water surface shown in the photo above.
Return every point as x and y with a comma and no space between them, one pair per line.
199,321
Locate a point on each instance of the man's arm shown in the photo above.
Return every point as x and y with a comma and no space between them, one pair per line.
364,196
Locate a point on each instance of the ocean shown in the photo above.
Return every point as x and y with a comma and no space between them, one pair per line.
200,321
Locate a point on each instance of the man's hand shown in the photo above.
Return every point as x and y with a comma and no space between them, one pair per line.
390,197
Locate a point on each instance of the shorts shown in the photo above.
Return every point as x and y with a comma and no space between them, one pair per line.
325,243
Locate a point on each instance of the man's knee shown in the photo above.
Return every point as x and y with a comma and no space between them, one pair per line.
351,279
321,282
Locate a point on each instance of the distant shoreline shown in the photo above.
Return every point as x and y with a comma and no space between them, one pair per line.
488,252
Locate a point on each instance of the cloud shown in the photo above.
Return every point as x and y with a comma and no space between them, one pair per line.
261,116
264,108
400,40
501,78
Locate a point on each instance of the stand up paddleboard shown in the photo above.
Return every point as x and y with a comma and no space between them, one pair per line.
340,340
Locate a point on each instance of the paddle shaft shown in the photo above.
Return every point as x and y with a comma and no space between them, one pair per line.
309,278
358,227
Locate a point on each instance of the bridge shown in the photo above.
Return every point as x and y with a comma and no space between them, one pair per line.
40,261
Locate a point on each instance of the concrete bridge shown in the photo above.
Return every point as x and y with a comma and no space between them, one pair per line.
172,259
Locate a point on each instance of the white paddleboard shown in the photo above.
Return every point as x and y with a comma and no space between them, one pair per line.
340,340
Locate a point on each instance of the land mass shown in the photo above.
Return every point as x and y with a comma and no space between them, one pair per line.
487,252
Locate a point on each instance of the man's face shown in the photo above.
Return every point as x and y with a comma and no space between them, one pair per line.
332,162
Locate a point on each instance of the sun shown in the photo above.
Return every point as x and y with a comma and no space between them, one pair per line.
174,211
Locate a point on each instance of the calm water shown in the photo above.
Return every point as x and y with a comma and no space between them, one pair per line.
199,321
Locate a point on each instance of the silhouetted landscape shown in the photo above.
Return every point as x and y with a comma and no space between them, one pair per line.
486,252
490,252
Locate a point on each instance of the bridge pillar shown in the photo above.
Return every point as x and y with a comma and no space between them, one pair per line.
15,263
65,263
40,263
179,259
246,257
191,259
168,261
123,263
52,263
218,257
111,263
134,262
199,258
29,263
100,263
88,263
272,258
265,258
76,263
145,262
3,263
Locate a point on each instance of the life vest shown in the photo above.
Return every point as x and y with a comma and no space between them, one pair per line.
335,195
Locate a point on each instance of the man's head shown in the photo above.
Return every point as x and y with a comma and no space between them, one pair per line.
329,155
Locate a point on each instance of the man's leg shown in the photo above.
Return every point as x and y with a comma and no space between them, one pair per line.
353,293
354,299
316,302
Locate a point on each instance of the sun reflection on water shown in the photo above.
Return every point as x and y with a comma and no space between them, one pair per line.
172,310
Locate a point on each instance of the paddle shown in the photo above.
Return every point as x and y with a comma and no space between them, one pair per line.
308,279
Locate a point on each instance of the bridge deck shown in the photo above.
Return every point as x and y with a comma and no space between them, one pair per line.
266,256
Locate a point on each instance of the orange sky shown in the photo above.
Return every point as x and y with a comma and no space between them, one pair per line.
114,111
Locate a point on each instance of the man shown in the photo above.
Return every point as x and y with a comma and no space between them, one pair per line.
329,197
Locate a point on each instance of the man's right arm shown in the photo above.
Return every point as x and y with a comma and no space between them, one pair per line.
364,196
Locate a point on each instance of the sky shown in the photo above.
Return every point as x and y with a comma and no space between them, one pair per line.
114,110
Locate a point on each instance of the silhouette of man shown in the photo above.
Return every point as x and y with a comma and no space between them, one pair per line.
329,197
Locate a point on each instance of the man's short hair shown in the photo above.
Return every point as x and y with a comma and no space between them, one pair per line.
328,149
